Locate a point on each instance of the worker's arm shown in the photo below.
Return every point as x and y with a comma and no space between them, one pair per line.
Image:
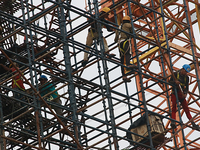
92,22
116,36
109,29
4,67
172,81
106,24
177,82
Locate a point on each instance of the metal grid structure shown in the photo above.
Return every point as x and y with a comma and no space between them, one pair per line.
48,37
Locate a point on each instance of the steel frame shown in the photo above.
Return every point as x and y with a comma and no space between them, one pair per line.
98,107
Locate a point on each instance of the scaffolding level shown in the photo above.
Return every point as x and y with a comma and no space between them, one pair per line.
75,93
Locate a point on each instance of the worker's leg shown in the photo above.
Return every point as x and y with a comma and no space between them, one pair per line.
57,109
90,37
18,95
184,105
122,58
186,109
123,61
89,42
127,49
105,44
127,54
173,99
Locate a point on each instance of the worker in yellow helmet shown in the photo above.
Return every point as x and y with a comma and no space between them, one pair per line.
123,40
106,9
93,33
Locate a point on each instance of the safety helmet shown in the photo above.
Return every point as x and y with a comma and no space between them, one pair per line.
187,67
126,18
43,77
106,9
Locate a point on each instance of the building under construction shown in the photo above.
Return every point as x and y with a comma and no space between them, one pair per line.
99,109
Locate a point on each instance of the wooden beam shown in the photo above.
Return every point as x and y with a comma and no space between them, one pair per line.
182,49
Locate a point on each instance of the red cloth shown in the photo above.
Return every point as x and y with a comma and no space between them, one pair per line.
17,79
183,103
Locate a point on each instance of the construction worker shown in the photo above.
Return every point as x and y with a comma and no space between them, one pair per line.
47,87
17,81
123,40
182,79
93,34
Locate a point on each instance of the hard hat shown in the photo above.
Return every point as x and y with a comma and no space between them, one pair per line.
43,77
126,18
106,9
187,67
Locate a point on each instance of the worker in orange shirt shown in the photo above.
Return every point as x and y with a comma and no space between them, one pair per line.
17,81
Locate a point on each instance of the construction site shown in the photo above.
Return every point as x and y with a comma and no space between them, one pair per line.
99,110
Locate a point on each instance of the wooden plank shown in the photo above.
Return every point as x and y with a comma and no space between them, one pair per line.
175,46
182,49
149,53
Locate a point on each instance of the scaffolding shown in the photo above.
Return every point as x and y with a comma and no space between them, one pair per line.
48,37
